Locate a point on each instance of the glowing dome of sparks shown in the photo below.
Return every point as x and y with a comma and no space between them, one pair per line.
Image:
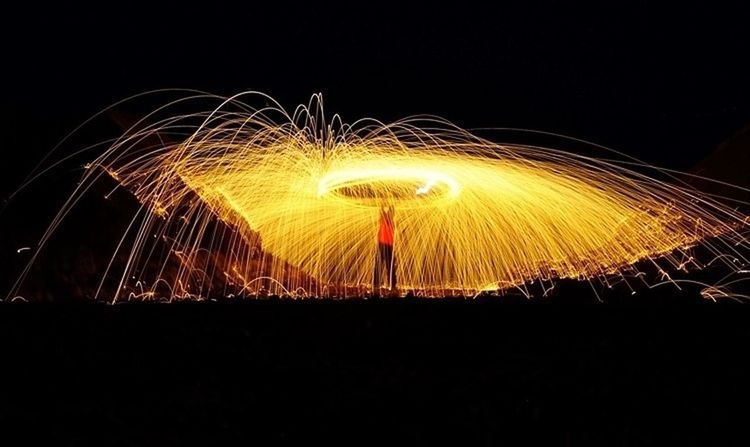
298,200
463,220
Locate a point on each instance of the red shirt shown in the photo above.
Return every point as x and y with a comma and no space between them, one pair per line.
385,233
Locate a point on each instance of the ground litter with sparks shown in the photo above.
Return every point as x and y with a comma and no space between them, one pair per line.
299,201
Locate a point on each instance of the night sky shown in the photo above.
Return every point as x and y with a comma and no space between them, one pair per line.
664,84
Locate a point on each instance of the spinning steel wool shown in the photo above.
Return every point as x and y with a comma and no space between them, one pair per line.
257,196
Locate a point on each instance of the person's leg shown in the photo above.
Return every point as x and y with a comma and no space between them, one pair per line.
377,272
390,267
393,270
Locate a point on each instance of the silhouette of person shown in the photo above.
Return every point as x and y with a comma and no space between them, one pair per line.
385,259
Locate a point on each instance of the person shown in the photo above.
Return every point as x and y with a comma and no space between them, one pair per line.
385,259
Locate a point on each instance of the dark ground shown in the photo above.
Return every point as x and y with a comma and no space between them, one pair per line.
392,372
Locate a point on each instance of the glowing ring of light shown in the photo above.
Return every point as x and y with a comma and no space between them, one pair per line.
408,187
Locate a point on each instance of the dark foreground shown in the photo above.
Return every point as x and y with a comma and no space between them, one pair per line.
393,372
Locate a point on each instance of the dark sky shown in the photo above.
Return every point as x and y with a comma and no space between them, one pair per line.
666,84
